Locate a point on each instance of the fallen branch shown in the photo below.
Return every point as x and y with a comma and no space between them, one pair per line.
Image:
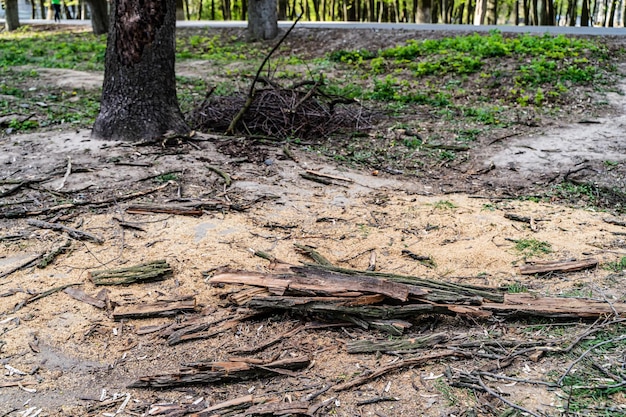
251,91
227,178
44,294
71,232
96,204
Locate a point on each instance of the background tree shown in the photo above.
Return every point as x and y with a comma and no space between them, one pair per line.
12,21
99,16
139,92
262,19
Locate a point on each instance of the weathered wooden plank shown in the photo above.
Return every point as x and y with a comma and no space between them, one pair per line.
160,308
558,266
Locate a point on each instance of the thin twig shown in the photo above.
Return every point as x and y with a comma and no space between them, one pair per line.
585,353
504,400
246,106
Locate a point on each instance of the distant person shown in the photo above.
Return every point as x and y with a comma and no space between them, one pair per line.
56,5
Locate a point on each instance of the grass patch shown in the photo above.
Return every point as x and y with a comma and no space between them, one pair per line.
532,247
617,266
445,205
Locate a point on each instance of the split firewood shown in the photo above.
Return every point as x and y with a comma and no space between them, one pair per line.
219,372
151,271
334,281
524,305
421,342
158,309
71,232
81,295
558,266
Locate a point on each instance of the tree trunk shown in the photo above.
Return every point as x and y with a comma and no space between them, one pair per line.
424,11
139,92
262,20
584,14
180,10
611,21
12,15
99,16
282,9
572,13
480,12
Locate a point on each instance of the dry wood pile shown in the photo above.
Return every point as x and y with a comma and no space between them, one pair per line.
302,111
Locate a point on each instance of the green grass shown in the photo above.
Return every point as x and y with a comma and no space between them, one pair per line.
444,205
532,247
589,390
617,266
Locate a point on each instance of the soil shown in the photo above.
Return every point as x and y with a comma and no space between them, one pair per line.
75,355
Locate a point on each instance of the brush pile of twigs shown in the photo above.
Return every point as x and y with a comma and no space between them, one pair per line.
301,111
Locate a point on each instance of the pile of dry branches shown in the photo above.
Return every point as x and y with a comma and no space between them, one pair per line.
301,111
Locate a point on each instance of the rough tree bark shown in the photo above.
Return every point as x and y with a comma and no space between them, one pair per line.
12,15
139,92
262,20
99,16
